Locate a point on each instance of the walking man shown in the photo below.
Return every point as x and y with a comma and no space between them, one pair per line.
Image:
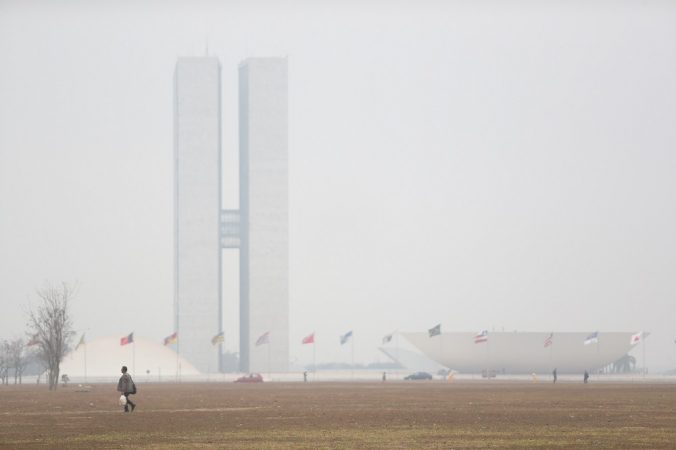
126,386
554,373
586,377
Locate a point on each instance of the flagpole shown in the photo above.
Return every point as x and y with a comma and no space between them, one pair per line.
598,357
643,339
269,376
314,361
352,357
85,354
551,351
441,348
178,344
488,361
397,353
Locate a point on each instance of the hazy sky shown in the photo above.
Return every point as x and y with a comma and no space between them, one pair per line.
476,164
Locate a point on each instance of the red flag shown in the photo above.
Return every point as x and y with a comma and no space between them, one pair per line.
635,339
173,339
127,339
549,341
265,339
309,339
33,341
481,337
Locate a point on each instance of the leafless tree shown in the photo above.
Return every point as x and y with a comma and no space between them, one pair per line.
19,357
51,324
4,362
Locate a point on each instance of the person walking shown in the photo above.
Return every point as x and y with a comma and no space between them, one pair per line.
384,377
126,386
586,377
305,376
554,373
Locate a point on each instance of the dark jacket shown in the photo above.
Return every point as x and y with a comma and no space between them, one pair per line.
125,383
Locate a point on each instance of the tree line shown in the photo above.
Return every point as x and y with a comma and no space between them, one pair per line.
13,355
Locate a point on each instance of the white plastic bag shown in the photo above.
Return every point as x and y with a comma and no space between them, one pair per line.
123,400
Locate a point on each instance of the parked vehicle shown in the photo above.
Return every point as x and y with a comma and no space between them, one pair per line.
250,378
419,376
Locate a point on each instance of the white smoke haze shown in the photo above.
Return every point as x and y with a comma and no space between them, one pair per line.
476,164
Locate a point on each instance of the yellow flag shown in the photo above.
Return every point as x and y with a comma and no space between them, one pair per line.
81,342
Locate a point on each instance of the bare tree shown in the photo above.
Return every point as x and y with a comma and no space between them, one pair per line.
4,362
51,324
19,357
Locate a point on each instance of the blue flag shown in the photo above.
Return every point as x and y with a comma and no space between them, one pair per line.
593,337
345,337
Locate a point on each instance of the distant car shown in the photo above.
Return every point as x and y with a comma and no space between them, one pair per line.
419,376
250,378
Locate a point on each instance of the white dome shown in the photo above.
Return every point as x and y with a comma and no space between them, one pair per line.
105,357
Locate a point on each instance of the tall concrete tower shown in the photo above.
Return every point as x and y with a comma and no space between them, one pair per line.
197,209
264,198
259,229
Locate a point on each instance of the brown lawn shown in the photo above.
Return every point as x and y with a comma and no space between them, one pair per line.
401,414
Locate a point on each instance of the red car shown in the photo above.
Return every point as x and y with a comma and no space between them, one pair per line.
250,378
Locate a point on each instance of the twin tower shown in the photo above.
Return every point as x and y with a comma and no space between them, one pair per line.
259,228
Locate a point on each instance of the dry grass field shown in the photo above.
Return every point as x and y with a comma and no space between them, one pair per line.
348,415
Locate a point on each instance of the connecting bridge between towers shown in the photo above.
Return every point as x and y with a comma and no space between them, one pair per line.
230,228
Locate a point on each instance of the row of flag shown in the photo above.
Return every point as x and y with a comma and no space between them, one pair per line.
173,339
480,337
35,341
594,337
218,339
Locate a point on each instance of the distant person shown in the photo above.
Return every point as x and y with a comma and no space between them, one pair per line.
126,386
554,373
305,376
586,377
384,377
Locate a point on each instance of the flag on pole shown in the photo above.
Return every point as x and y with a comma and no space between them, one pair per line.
263,339
435,331
33,341
127,339
593,337
218,339
481,337
387,338
635,339
548,340
173,339
344,338
81,342
310,339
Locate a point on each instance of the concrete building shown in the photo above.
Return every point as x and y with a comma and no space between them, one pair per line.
264,250
146,359
197,209
411,361
523,352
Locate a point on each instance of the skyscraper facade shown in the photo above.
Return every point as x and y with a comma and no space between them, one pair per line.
197,209
264,231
